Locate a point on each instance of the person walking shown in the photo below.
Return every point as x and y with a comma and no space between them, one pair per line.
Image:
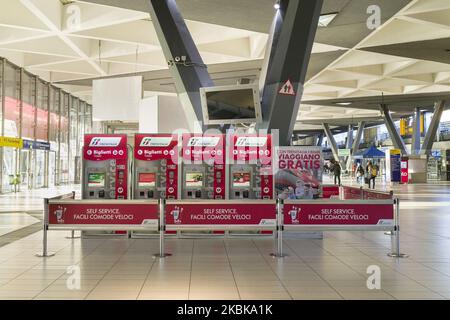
360,174
372,172
337,173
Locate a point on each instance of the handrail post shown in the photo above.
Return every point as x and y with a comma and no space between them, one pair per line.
45,222
72,232
162,229
395,234
280,229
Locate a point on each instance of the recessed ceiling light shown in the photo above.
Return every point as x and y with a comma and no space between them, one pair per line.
325,19
343,103
277,5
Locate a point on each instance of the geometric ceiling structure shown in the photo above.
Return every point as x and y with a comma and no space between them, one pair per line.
409,53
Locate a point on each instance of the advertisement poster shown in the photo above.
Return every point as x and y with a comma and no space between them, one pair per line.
299,172
221,214
338,214
103,214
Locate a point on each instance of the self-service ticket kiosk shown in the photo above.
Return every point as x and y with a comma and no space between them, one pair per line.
105,169
250,172
203,167
155,166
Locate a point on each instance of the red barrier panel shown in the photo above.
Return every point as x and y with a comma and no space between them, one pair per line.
115,213
329,190
349,193
215,213
339,214
374,195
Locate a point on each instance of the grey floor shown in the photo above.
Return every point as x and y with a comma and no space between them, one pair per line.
332,268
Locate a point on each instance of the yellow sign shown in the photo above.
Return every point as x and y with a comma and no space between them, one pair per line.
11,142
395,151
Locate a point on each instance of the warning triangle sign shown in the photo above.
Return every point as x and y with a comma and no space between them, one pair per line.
287,89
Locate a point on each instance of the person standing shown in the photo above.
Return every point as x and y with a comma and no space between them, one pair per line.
360,174
337,173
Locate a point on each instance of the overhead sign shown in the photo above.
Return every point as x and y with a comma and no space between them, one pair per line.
11,142
36,145
343,152
287,89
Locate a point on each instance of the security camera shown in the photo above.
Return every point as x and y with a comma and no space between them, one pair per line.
183,58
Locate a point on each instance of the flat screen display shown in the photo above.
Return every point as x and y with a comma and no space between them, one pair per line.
231,104
241,179
194,179
147,179
96,180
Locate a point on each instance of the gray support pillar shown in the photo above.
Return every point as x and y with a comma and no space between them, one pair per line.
176,41
290,51
432,130
348,160
319,140
397,140
415,143
359,133
331,141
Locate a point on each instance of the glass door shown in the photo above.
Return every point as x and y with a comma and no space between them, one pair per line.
39,169
52,169
26,174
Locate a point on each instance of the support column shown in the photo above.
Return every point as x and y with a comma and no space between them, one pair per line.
415,143
176,42
359,133
397,140
292,40
319,140
432,130
331,141
348,160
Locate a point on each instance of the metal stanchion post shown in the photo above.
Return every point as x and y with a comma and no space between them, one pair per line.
395,234
361,192
72,233
280,229
162,229
45,253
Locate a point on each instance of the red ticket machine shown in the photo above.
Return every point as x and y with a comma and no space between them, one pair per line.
203,167
105,166
155,166
250,171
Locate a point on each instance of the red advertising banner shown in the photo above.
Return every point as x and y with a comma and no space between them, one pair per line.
103,214
329,191
404,171
338,214
221,214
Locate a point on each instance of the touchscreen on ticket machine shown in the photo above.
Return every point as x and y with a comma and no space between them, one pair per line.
155,166
250,167
203,166
105,167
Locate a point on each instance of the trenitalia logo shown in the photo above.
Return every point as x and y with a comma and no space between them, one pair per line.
105,142
203,142
155,141
251,142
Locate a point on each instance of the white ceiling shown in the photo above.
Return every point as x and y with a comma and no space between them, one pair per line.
112,41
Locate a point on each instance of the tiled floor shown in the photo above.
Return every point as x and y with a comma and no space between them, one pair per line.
332,268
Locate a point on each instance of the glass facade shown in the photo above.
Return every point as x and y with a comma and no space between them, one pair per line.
50,122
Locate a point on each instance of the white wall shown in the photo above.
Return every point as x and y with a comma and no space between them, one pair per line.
161,114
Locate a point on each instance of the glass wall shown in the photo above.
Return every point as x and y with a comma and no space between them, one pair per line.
11,126
64,139
49,121
53,137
